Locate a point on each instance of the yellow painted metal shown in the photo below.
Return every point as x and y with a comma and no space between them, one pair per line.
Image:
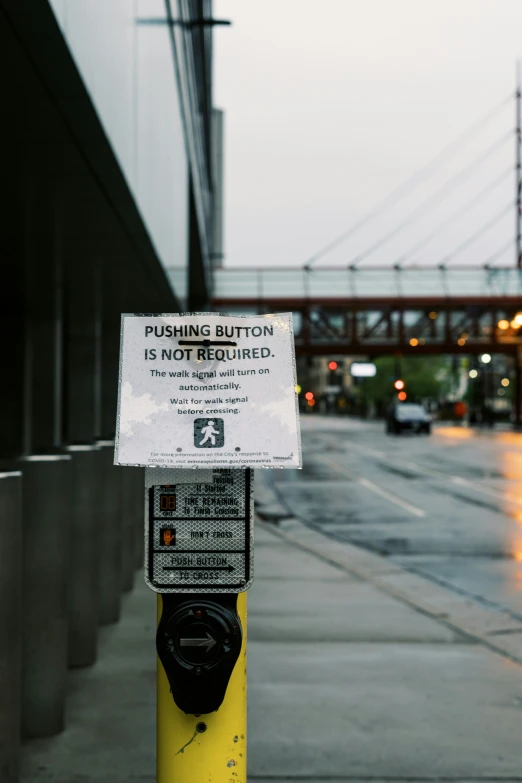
216,755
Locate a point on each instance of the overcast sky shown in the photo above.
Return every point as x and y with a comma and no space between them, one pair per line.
330,105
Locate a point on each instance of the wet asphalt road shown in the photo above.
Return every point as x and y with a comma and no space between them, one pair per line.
447,506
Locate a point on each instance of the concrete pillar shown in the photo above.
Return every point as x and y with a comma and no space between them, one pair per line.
139,502
11,544
128,523
46,472
46,507
85,542
109,561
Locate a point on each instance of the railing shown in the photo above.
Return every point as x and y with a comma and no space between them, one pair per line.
280,283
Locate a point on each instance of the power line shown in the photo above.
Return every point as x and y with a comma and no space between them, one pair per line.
498,253
462,211
413,180
482,230
434,199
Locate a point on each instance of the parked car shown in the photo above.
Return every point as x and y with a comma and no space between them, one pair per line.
408,416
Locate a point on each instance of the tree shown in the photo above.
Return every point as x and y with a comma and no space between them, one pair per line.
425,378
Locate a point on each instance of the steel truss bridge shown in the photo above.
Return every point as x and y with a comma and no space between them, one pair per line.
379,311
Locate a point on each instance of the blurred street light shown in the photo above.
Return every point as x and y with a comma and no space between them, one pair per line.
363,370
485,358
503,324
473,373
518,319
402,396
433,315
505,381
399,385
414,342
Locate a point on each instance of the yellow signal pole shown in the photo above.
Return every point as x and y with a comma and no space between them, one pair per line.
200,748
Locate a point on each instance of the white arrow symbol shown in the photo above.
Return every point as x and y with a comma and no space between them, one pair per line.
209,642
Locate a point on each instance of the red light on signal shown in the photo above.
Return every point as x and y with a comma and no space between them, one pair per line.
311,403
309,396
399,385
332,365
460,408
402,396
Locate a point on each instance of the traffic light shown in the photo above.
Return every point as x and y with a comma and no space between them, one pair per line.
400,387
310,399
335,376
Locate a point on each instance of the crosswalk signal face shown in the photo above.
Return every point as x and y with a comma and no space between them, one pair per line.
334,377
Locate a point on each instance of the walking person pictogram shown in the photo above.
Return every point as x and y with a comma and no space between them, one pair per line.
209,432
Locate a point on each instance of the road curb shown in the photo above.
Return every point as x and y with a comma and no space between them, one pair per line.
494,628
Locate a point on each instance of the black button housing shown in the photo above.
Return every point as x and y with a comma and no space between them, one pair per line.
199,640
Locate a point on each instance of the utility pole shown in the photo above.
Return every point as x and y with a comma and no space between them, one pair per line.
518,170
193,748
518,227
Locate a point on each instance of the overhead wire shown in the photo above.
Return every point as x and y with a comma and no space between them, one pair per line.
500,252
415,179
453,217
434,199
473,238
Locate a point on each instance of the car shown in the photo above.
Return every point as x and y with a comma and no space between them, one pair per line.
408,416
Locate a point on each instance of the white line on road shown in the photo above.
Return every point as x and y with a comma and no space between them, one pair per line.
474,485
418,512
439,474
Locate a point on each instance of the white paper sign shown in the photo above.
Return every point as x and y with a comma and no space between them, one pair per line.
208,390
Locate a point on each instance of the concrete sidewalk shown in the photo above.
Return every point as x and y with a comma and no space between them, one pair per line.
346,683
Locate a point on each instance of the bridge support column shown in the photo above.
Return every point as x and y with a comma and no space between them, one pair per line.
518,389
